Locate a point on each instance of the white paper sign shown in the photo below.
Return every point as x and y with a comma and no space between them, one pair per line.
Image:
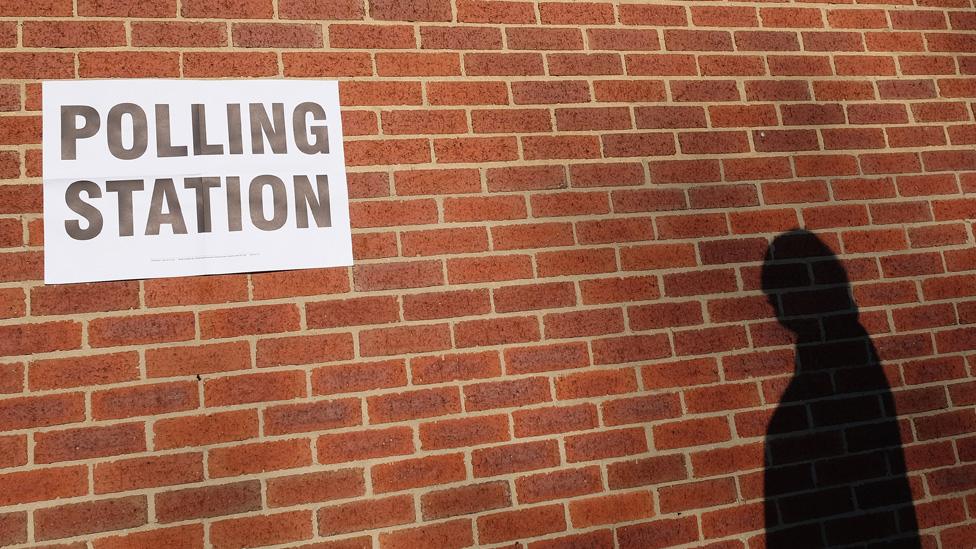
157,178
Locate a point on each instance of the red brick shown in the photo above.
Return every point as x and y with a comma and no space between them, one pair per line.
583,323
144,400
366,515
142,329
205,429
322,64
215,8
148,472
418,64
528,522
480,333
655,64
83,371
240,64
506,394
312,416
461,38
391,10
414,404
546,92
659,533
90,517
456,533
258,457
262,530
558,484
43,484
467,93
277,35
444,241
360,445
454,367
503,64
89,442
359,376
316,10
465,500
697,495
529,297
418,472
259,387
176,361
464,432
360,36
179,537
404,339
379,93
410,274
552,420
692,432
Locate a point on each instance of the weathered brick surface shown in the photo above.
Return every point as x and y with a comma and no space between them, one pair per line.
555,333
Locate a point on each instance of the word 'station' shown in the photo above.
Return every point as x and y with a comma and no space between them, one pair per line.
154,178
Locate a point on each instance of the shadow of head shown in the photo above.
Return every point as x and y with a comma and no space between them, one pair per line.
804,281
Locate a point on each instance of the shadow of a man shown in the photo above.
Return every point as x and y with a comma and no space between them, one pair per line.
835,470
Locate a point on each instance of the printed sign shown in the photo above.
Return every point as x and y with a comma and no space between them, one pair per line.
157,178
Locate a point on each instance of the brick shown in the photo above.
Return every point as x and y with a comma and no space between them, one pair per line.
506,394
480,333
467,93
89,442
491,268
596,383
316,10
260,387
73,34
464,432
480,11
359,445
239,64
391,10
43,484
525,38
404,339
558,484
35,65
83,371
180,537
298,283
503,64
177,361
456,533
142,329
324,64
414,404
475,149
796,65
528,522
461,38
607,444
413,473
148,472
313,416
144,400
418,64
670,117
205,429
90,517
552,420
692,432
359,376
653,64
544,93
465,500
352,312
163,292
258,457
533,296
216,9
580,64
623,39
380,93
453,367
518,178
444,241
262,530
366,515
276,35
659,533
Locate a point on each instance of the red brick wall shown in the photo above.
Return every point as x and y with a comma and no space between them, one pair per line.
554,329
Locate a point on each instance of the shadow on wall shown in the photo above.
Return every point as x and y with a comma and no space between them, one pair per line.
835,470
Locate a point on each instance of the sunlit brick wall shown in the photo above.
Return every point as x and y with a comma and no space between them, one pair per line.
554,334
